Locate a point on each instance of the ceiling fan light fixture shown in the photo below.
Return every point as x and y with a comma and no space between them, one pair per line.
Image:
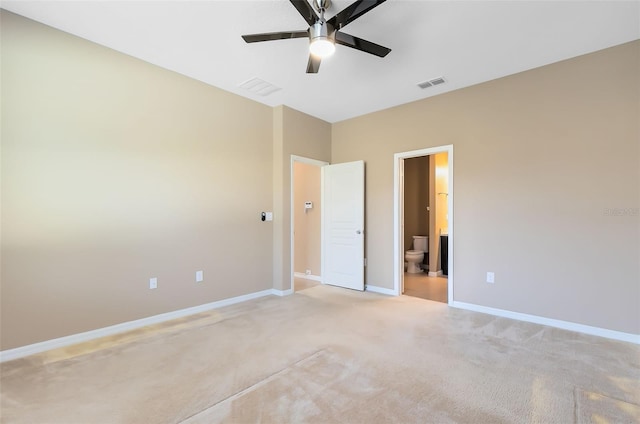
322,47
322,37
325,34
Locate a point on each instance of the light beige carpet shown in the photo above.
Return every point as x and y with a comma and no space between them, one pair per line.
328,355
596,408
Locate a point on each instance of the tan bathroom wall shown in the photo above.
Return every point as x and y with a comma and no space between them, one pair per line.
441,209
442,191
307,223
434,242
546,187
416,199
115,171
438,220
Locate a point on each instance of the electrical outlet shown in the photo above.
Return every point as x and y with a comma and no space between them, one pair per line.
199,276
308,272
153,283
491,277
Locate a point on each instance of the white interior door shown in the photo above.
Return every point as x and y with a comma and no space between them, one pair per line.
343,225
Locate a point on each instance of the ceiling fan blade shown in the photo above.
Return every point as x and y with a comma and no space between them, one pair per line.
313,65
353,12
305,9
269,36
360,44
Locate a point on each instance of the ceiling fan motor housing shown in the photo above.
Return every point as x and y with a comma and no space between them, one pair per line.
322,30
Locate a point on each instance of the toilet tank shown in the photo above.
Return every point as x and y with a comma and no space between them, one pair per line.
421,243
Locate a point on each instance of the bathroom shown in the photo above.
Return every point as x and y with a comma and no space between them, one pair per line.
426,217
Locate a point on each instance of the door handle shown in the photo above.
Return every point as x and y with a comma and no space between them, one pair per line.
358,232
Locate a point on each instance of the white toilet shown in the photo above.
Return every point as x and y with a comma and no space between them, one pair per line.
415,257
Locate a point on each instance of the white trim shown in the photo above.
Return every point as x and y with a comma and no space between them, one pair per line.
565,325
281,293
323,270
307,276
381,290
295,158
436,274
398,224
19,352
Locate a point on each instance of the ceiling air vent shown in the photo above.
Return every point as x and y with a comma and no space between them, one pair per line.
431,82
259,87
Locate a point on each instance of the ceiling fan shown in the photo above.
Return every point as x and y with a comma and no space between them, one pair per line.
325,34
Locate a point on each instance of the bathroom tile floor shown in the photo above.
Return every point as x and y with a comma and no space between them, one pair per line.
425,287
415,285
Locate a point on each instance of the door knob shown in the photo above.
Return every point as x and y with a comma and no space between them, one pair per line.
358,232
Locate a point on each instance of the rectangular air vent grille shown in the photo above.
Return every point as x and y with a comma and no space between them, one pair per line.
432,82
259,87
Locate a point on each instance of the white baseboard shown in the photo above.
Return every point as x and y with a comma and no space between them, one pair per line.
381,290
281,293
307,276
435,274
19,352
565,325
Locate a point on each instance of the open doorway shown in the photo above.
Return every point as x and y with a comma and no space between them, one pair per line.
306,222
423,215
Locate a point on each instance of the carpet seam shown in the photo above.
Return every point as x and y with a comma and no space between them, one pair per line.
257,384
575,404
582,389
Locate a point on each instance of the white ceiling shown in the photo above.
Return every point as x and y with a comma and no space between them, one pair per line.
466,42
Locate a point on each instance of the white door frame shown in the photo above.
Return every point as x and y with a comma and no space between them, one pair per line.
308,161
398,215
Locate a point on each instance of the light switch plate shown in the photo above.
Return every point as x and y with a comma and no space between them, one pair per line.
153,283
269,216
199,276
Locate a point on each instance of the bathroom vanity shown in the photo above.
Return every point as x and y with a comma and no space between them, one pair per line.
444,253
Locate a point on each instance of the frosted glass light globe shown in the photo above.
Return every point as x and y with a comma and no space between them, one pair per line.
322,47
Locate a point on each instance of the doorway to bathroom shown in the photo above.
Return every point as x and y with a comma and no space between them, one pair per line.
306,225
423,218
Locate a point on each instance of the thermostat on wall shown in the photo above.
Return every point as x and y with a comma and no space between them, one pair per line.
308,205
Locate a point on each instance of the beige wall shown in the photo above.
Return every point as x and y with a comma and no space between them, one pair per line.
299,134
115,171
306,221
539,158
416,199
